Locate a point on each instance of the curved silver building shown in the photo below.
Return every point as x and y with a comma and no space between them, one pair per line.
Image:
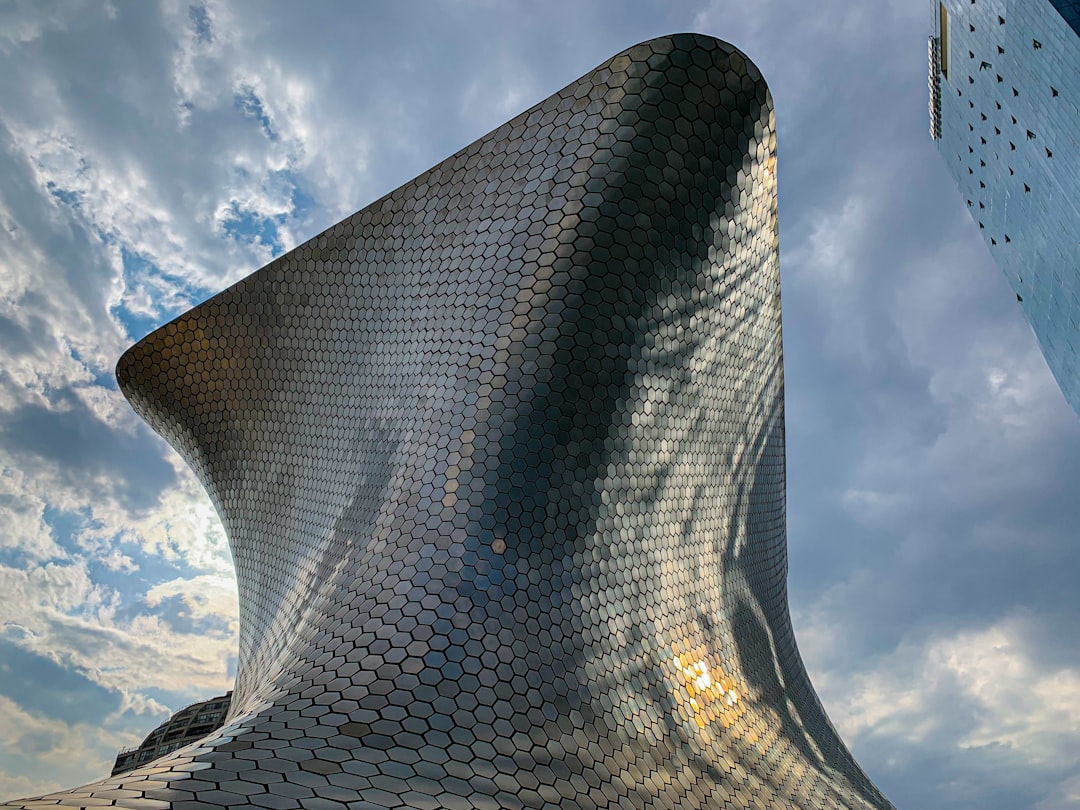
501,459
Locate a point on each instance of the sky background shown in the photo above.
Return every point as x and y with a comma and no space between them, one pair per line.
152,153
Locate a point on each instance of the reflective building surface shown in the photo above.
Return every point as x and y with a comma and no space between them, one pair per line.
501,459
1005,111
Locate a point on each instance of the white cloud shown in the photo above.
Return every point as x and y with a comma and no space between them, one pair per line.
59,612
116,560
874,507
206,596
17,27
1065,796
968,690
54,753
117,201
23,518
302,130
53,605
53,588
200,42
182,528
830,255
66,341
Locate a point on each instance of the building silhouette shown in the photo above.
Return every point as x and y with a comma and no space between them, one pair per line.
501,462
1005,113
188,725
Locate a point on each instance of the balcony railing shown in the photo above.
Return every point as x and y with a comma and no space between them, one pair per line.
934,82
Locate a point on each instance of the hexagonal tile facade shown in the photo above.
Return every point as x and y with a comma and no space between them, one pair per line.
501,459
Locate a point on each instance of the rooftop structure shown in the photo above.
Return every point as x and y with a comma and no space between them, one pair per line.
188,725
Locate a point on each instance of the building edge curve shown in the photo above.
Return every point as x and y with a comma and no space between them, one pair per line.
501,461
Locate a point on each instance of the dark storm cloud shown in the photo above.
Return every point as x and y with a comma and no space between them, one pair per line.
45,687
87,454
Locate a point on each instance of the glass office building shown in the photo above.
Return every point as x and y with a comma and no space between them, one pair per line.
1004,96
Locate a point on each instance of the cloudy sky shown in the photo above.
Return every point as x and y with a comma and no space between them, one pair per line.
153,152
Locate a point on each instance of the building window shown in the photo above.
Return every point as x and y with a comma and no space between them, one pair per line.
943,14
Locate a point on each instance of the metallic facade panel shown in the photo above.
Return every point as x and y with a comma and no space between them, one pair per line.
1010,138
501,460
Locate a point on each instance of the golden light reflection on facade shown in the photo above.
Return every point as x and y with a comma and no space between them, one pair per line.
710,694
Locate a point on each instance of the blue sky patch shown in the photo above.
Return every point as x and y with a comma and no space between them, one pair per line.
44,687
138,269
247,102
66,196
246,226
200,23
